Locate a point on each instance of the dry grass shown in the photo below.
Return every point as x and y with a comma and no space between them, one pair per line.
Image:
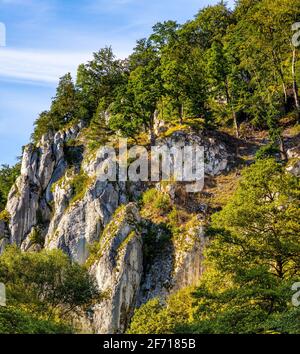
220,189
293,131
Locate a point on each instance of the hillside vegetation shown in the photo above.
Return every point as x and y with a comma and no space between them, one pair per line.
231,72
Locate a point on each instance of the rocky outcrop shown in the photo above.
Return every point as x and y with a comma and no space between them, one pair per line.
29,199
294,161
177,263
37,200
75,226
126,281
118,270
294,153
216,155
58,203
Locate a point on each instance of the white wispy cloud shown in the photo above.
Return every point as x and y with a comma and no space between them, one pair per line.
17,2
36,66
43,67
104,6
120,2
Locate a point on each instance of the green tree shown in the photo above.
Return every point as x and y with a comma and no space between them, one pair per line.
262,217
164,33
263,40
64,104
46,284
8,175
183,75
99,129
253,258
43,125
211,24
15,321
63,109
156,317
137,101
97,80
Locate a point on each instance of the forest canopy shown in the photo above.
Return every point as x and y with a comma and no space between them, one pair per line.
224,70
226,67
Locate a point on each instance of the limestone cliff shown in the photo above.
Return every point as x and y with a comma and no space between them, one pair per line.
60,202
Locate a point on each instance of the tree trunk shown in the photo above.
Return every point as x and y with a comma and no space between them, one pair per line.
285,94
236,127
151,130
227,91
229,102
295,86
282,149
283,86
278,66
180,112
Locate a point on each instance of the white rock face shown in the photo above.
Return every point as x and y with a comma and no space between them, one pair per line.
29,198
118,271
42,201
216,157
74,227
294,153
294,168
176,264
294,163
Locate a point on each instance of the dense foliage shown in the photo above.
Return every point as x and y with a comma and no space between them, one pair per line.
224,66
8,176
155,318
43,289
15,321
252,262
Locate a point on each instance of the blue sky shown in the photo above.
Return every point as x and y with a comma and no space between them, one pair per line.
47,38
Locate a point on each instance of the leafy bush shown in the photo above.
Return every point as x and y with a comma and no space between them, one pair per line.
149,196
163,203
157,318
267,151
46,285
36,236
154,199
15,321
4,216
8,176
177,217
80,183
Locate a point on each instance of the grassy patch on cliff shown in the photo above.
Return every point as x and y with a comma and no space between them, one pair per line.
5,216
155,204
80,184
110,231
158,207
165,224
